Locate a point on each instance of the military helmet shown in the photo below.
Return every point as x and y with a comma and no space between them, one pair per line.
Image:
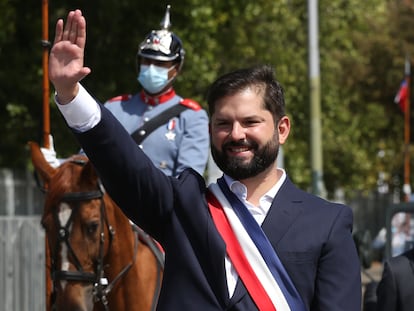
162,45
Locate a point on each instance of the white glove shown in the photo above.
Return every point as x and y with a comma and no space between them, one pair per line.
50,154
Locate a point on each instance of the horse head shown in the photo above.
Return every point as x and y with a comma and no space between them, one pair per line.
86,262
77,228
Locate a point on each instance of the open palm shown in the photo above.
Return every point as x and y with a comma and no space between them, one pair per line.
67,55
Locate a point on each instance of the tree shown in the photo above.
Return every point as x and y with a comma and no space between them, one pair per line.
362,49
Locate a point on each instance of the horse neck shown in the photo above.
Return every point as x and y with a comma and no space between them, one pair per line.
123,243
128,294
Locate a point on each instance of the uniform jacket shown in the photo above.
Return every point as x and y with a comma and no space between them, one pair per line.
182,142
395,291
311,236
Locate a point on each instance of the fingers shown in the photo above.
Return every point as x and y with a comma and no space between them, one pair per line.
67,56
74,28
80,38
58,31
68,26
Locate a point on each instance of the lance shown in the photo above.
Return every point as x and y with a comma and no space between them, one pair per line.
45,63
46,131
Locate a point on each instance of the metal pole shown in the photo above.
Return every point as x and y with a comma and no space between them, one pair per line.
45,62
318,187
46,132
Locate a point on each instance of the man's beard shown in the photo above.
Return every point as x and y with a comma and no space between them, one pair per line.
237,167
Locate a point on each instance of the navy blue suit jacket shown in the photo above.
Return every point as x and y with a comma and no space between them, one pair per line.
311,236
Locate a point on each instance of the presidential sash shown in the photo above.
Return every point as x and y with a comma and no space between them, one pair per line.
260,269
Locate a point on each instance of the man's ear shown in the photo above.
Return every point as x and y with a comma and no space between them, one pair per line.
283,128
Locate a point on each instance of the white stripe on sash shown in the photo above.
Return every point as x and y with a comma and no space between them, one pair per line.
252,253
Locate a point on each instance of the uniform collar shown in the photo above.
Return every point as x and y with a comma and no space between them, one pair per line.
159,99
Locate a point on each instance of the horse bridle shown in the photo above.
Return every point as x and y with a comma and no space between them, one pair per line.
97,278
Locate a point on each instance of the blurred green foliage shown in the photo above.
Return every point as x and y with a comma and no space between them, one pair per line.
362,47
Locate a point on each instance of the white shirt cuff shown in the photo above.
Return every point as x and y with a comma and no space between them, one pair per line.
82,113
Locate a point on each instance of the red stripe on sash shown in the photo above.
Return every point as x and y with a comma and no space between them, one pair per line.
239,260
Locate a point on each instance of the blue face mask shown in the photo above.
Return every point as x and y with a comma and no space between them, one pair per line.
153,78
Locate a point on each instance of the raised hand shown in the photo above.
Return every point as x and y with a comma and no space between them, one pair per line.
67,56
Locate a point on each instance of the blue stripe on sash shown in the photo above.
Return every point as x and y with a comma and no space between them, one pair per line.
265,248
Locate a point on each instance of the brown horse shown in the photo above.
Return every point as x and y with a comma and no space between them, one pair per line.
96,259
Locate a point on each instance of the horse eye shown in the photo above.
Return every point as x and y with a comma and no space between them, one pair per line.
92,227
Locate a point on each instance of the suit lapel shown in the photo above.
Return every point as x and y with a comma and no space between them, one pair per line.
208,246
285,208
210,250
239,294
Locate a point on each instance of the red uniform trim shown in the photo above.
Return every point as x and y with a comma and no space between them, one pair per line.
160,99
191,104
122,98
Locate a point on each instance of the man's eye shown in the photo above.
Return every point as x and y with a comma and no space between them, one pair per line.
221,124
252,122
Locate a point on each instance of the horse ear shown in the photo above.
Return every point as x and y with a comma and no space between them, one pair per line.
42,167
89,172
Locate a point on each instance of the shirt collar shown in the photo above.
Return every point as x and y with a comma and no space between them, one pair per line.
159,99
241,191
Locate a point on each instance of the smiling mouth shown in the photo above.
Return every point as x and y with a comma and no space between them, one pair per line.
238,149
